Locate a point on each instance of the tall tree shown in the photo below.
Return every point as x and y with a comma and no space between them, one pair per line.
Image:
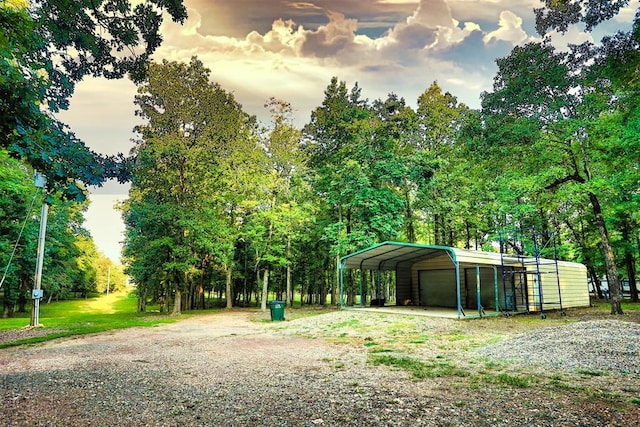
441,183
277,221
195,136
353,171
47,47
18,197
614,65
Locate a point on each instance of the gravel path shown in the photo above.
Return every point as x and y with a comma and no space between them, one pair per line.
229,370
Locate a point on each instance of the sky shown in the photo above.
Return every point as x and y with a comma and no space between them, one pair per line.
290,50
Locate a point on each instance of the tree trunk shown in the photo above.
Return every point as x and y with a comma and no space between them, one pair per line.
612,275
142,299
177,302
265,288
629,259
595,280
411,235
228,282
289,299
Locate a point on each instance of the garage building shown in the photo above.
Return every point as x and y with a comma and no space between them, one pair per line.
474,283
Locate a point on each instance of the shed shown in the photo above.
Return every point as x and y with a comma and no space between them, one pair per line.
472,282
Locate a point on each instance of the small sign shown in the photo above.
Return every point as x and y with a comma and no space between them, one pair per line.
37,294
39,180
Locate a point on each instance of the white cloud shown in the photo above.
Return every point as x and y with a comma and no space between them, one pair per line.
628,13
573,35
509,29
432,26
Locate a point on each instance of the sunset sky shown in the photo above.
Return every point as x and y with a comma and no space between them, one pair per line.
290,50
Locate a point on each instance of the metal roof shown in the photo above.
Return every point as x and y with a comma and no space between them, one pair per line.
390,255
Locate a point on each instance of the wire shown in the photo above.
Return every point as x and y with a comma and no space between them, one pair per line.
15,247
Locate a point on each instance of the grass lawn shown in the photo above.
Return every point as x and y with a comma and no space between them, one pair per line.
84,316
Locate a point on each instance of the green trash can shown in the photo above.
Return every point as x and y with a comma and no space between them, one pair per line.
277,310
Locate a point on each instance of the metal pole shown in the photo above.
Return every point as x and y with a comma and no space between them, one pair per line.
37,289
108,278
478,290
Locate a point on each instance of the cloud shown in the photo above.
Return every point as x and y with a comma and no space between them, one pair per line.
330,39
573,35
488,11
627,14
509,29
297,61
431,26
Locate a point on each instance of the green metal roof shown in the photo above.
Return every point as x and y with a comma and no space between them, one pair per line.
388,255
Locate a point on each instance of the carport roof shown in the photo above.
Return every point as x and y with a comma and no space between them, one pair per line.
388,255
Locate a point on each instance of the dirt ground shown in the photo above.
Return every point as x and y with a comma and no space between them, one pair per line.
236,368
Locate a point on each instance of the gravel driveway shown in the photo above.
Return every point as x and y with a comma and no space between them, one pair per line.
230,369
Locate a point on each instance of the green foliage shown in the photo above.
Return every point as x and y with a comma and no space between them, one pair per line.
193,180
70,254
48,46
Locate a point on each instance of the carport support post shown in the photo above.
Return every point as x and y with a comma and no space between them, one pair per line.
341,265
495,283
458,287
361,293
478,290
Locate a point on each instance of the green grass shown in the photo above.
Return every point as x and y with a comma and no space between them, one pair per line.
630,306
84,316
418,368
510,380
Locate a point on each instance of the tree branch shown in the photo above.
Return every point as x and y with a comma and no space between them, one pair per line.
576,177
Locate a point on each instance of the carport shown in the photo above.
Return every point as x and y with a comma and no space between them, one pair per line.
473,283
429,275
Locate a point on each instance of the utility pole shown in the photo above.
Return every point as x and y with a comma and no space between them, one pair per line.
108,279
40,182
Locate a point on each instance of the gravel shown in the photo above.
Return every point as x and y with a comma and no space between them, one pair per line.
595,345
232,369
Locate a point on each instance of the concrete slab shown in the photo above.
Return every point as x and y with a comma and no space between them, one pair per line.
449,313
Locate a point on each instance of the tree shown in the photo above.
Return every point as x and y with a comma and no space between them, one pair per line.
48,46
442,183
182,209
543,102
354,172
277,222
615,67
17,232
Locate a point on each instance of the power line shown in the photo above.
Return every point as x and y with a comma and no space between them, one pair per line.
15,247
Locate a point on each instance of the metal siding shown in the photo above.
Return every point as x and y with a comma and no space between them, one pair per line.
403,286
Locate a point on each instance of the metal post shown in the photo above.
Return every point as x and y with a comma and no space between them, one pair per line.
495,284
37,289
341,282
478,290
362,297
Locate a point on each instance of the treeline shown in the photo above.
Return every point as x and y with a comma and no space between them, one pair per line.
222,206
73,267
